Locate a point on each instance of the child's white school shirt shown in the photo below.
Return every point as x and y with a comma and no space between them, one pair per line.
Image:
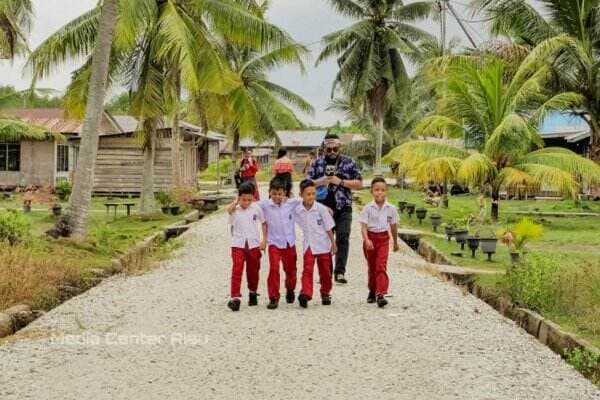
245,226
378,219
315,223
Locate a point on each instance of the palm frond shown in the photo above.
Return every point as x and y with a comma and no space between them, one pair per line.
14,130
478,170
439,126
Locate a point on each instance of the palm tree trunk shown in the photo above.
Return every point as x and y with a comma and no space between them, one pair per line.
83,181
495,203
176,173
147,195
377,109
595,142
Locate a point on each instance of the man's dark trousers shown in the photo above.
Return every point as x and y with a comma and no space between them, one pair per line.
343,224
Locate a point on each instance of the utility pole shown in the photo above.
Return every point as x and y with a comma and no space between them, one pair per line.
462,26
443,22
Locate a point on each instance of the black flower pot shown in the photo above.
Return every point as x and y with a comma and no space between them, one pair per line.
460,235
410,209
57,211
175,210
401,206
473,243
436,220
488,246
449,232
421,213
166,210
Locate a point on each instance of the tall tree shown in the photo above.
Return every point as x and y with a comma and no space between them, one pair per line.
15,24
84,172
567,36
372,73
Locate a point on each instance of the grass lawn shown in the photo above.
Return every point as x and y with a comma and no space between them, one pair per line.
43,258
560,277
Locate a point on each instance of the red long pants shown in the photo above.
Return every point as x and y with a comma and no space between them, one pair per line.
239,257
286,256
377,260
324,265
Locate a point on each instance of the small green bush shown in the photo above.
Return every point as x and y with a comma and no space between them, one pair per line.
530,283
14,228
210,173
63,189
585,362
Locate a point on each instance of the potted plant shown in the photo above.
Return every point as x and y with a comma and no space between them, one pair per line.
421,213
165,202
460,235
63,190
436,220
410,209
517,237
181,195
449,228
401,206
473,243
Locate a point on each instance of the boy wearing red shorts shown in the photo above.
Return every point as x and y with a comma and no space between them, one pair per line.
377,219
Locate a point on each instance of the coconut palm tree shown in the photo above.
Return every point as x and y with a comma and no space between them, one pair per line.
567,37
15,23
497,114
372,72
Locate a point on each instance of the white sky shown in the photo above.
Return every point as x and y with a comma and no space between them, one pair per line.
306,20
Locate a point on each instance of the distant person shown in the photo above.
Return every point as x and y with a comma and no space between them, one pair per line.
283,169
335,176
308,160
246,220
317,225
248,169
377,219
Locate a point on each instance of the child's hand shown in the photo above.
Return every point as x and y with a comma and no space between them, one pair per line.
396,247
263,245
369,245
333,249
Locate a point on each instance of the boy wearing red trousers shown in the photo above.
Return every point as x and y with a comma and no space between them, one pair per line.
281,240
376,220
319,245
245,218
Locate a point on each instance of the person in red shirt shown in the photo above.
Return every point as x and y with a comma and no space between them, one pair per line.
283,169
248,169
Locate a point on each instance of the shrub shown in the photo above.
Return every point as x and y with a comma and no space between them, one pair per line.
182,194
63,190
163,198
210,173
530,283
14,228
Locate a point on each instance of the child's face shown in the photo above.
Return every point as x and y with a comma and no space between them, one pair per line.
245,200
308,195
277,195
379,191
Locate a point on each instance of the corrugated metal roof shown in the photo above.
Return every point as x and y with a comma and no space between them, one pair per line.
52,119
308,139
560,124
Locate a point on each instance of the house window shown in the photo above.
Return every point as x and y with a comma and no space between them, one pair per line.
62,158
10,156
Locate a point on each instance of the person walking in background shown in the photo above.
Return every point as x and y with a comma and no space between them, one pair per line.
248,169
377,219
308,160
335,176
283,169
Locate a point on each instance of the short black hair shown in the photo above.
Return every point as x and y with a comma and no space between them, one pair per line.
246,188
378,179
306,183
277,184
331,136
282,152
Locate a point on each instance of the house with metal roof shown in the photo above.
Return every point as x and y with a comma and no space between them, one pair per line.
564,129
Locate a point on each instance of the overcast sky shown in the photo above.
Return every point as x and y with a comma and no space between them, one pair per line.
306,20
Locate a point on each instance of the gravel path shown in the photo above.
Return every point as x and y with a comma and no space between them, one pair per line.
431,342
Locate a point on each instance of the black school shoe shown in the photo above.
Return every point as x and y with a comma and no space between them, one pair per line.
234,304
326,299
381,302
339,278
371,298
273,304
290,296
253,300
303,300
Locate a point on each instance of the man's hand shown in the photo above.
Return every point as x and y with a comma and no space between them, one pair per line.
333,249
396,247
334,180
369,245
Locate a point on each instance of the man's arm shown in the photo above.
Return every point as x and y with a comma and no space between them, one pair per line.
352,184
332,239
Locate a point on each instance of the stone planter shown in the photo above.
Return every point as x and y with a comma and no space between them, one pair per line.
449,232
460,235
421,213
410,209
473,243
57,210
436,220
488,246
401,206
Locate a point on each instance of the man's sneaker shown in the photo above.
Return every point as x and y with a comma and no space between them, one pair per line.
273,304
371,298
290,296
339,278
303,300
253,300
381,302
326,299
234,304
